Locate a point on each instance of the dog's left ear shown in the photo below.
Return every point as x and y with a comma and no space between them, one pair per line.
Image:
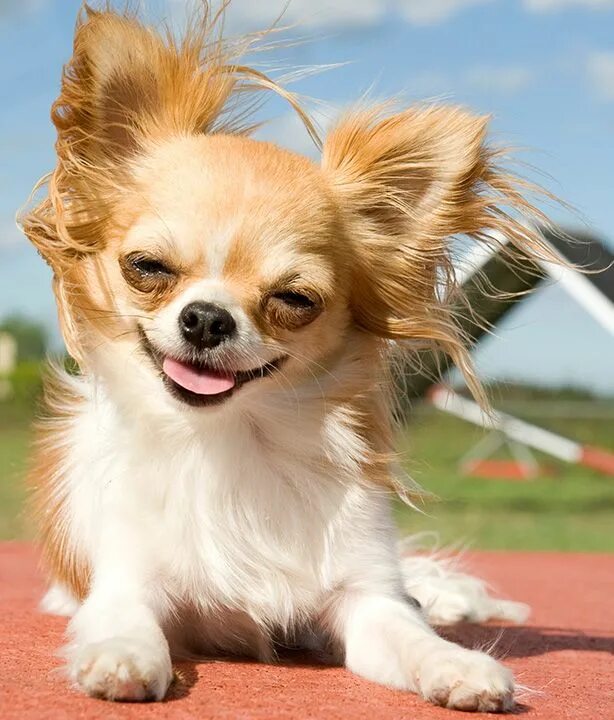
406,183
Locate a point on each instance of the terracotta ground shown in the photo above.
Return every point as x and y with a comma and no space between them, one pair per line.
565,653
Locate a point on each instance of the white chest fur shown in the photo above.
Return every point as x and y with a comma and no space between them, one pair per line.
258,514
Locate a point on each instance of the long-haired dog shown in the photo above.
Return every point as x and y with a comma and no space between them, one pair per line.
218,476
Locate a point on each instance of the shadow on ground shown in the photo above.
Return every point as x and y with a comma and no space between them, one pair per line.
519,642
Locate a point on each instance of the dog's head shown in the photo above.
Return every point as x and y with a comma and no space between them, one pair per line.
200,259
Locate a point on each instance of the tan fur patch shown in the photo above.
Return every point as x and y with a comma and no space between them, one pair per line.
48,492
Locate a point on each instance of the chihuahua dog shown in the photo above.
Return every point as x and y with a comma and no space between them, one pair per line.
217,477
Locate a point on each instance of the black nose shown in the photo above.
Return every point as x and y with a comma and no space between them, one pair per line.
205,325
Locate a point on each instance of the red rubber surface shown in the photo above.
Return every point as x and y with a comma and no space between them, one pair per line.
565,652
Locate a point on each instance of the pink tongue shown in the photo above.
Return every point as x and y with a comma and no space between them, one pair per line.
201,382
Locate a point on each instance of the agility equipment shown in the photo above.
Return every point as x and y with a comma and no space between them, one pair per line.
493,287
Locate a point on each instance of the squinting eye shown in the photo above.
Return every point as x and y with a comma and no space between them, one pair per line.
292,309
147,274
149,266
295,300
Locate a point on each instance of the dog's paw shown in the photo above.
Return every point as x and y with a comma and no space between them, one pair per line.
451,606
466,680
121,669
448,597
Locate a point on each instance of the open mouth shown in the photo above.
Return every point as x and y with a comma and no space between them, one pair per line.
200,384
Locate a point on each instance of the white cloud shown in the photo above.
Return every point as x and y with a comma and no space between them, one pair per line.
251,15
504,80
307,13
490,79
10,235
553,5
600,67
248,15
431,12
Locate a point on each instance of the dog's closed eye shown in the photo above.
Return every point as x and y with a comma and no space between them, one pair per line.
292,309
295,299
148,274
148,265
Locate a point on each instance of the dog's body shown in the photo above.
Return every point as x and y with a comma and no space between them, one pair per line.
218,478
231,563
189,556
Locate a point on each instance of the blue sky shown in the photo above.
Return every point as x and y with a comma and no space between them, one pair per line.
544,69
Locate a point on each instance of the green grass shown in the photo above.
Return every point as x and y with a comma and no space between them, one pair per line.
14,444
573,509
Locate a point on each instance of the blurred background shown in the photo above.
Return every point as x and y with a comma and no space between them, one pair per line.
544,70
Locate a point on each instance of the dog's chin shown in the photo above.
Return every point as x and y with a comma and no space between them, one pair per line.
225,383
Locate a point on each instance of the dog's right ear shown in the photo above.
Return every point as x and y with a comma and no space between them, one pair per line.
126,85
107,86
125,82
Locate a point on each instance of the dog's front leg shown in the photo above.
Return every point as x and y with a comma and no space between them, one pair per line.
387,640
118,650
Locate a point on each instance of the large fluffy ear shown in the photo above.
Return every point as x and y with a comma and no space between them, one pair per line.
126,81
406,184
124,85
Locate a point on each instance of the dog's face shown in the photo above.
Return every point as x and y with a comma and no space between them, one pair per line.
227,263
213,263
